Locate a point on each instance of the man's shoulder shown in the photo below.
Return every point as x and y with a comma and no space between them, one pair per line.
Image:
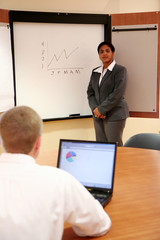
54,173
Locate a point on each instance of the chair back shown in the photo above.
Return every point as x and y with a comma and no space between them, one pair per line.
144,140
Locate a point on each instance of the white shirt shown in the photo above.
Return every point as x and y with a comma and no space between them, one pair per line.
100,70
35,201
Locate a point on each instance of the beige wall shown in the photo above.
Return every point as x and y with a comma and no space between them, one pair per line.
85,6
83,128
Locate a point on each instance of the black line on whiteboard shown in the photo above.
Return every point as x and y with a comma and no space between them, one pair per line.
63,53
65,68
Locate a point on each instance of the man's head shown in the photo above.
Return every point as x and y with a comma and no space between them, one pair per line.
20,127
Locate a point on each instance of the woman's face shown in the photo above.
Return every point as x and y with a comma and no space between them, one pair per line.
106,55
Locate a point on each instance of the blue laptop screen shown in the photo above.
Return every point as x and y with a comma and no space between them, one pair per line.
92,163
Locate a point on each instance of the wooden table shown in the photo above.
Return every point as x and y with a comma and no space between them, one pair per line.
135,206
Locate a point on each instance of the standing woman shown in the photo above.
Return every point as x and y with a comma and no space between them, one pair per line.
106,96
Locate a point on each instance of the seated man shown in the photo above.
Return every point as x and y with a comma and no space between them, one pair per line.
35,200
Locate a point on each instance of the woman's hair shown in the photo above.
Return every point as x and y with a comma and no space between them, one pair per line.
109,44
19,129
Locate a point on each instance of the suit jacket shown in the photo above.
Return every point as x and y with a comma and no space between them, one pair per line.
108,97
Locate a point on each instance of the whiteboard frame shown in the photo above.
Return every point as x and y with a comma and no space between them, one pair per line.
140,30
126,19
6,69
49,17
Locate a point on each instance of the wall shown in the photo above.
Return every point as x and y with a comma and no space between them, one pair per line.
83,6
83,128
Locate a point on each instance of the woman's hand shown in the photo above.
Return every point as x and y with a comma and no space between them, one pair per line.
97,114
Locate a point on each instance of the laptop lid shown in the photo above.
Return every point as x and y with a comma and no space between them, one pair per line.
91,162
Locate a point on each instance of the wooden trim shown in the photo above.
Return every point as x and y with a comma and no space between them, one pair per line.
142,18
135,18
4,16
144,114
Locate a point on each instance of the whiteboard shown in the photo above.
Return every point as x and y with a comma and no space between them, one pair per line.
53,64
6,70
137,51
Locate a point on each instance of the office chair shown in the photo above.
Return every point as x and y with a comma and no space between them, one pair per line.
144,140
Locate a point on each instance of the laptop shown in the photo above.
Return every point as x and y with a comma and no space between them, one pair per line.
92,164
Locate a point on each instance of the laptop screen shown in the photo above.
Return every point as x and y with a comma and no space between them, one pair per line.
92,163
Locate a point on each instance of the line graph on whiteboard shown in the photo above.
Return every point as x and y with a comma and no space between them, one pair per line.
61,61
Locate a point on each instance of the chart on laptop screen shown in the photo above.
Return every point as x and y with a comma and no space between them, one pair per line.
91,164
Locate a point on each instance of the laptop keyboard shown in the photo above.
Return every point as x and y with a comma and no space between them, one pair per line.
99,196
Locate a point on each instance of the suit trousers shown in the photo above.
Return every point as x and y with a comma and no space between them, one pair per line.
109,131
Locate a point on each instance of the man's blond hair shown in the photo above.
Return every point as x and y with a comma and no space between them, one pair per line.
19,129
